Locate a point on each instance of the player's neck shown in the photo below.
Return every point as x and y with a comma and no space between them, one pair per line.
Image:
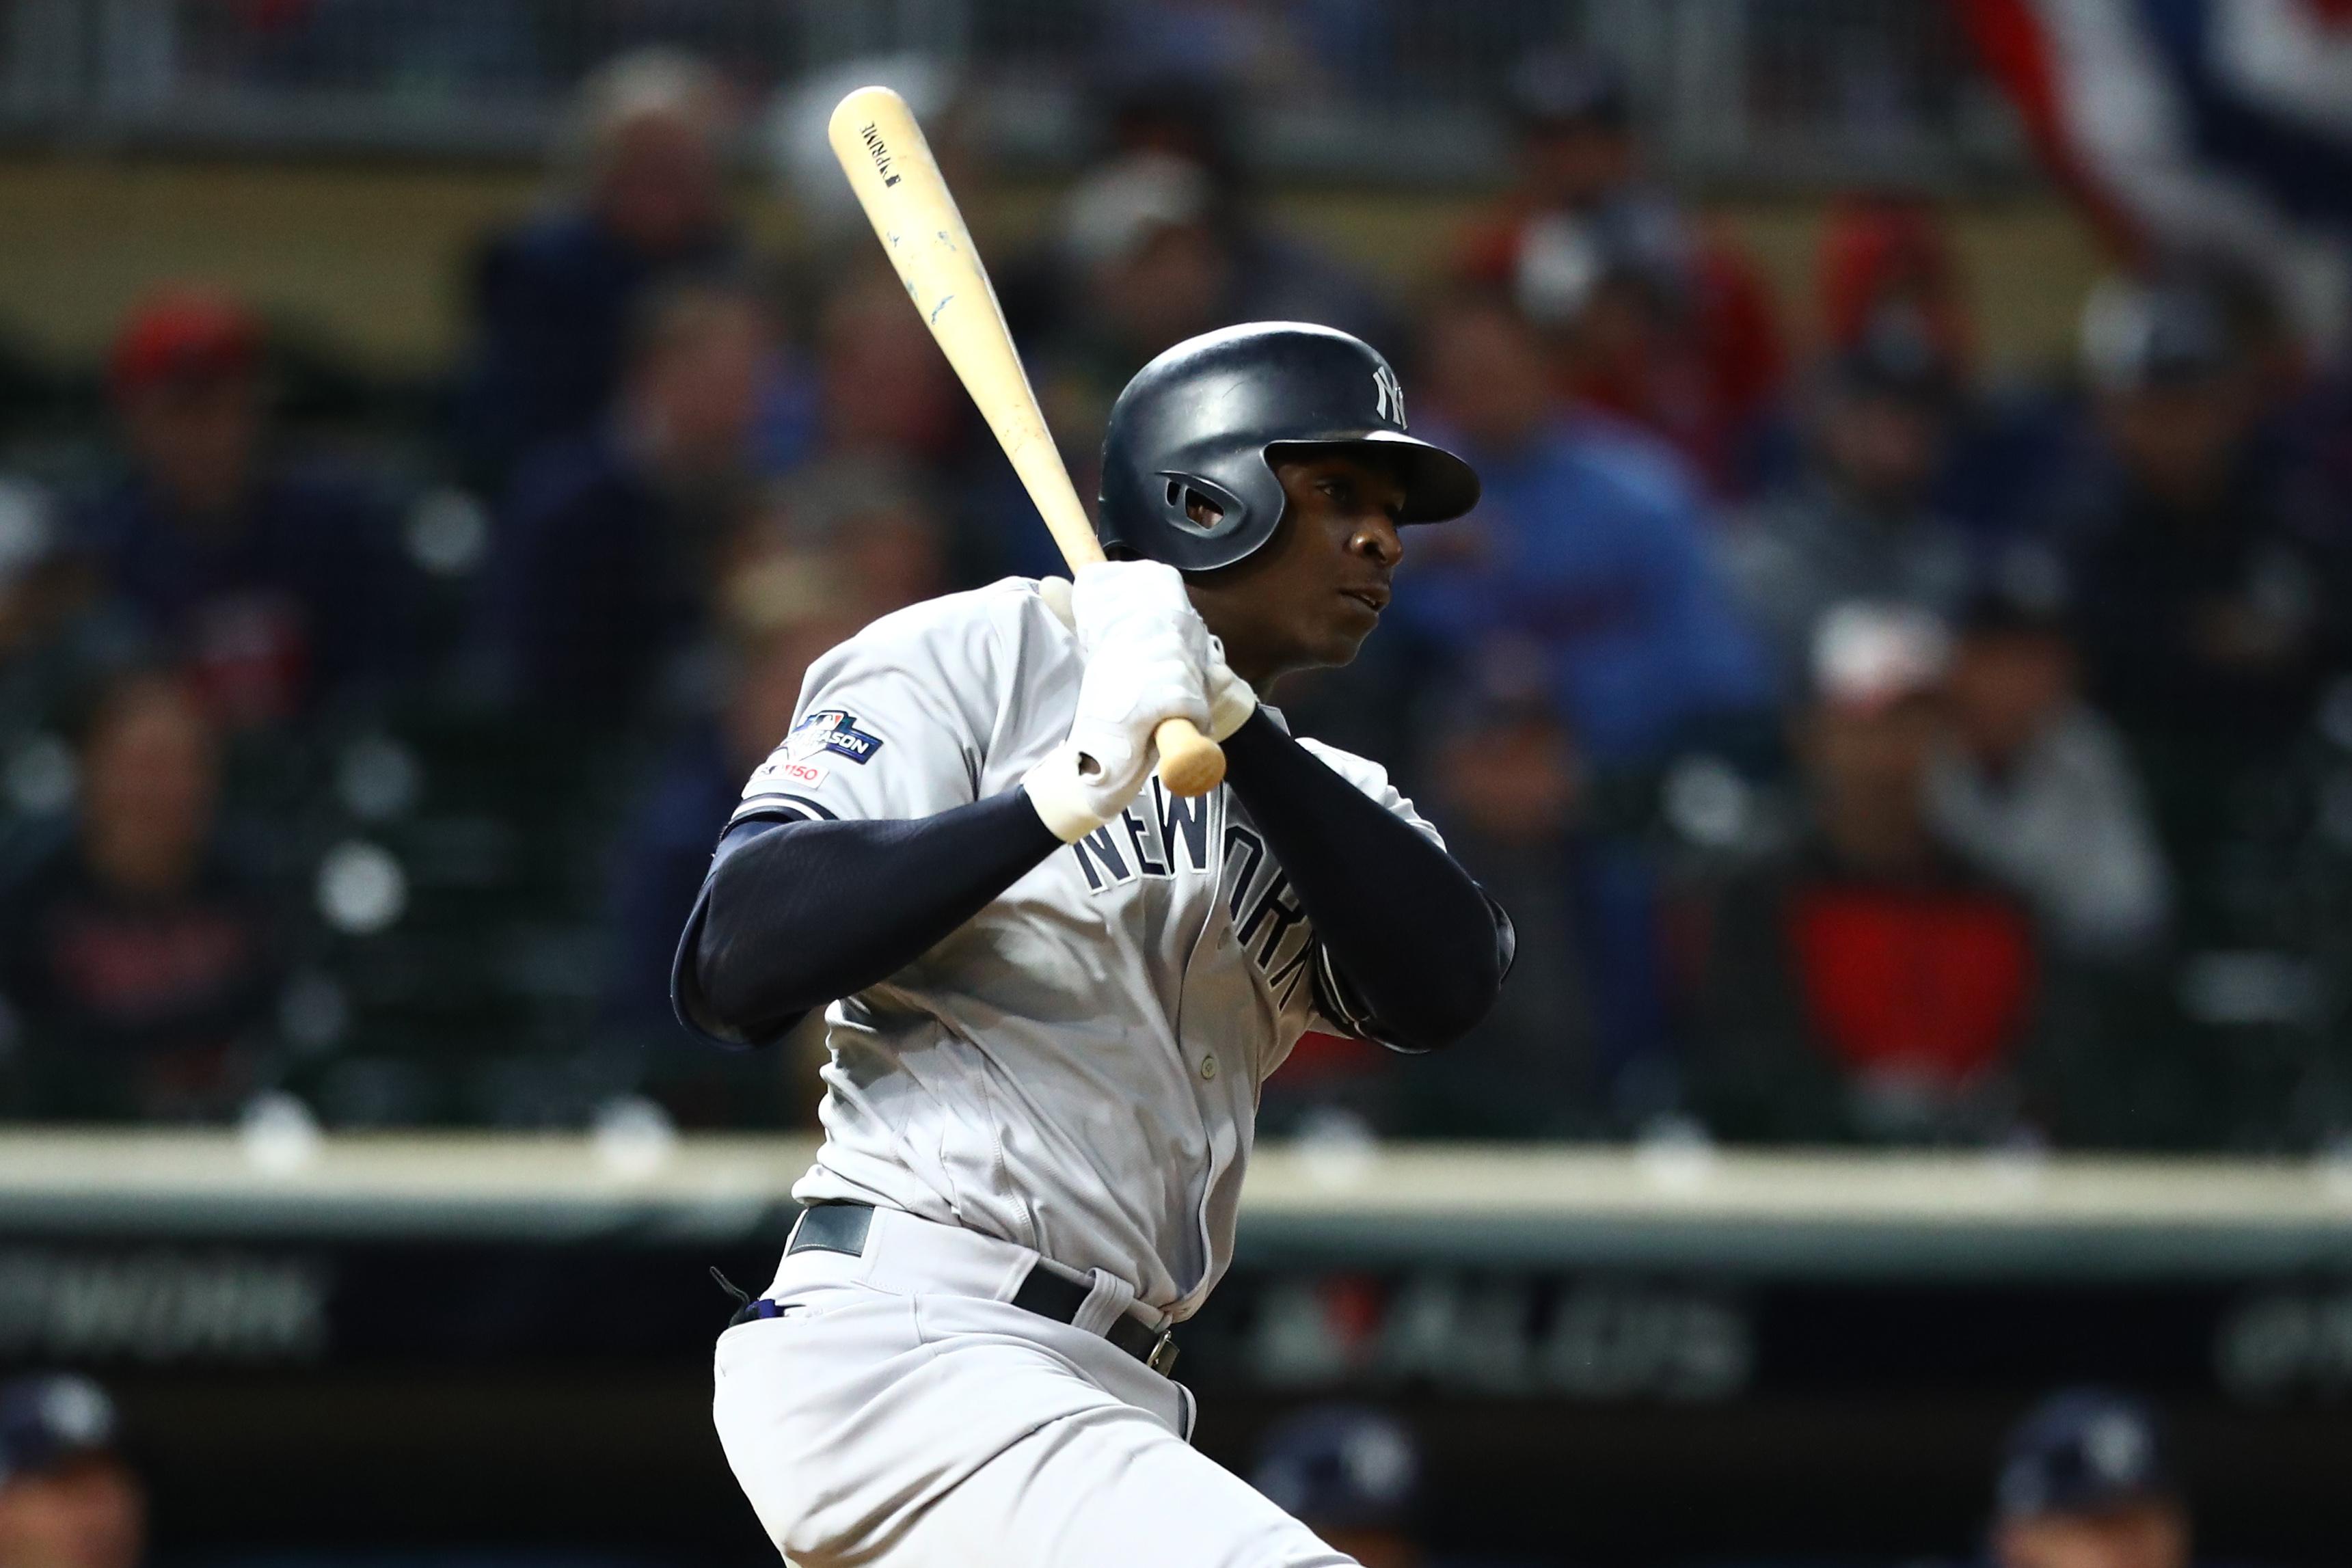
1249,657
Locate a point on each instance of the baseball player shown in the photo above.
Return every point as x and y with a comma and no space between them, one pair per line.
1054,988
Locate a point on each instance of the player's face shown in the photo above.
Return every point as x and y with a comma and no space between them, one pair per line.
1313,593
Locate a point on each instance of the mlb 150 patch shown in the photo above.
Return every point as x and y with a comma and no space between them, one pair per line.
831,730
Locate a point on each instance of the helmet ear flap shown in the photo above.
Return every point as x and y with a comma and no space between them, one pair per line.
1199,506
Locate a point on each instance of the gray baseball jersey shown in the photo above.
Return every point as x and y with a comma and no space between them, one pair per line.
1077,1069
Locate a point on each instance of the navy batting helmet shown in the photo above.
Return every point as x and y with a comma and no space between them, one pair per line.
1203,418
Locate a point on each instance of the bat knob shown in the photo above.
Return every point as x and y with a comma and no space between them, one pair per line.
1189,763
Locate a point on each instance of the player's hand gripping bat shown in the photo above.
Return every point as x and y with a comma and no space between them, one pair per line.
898,183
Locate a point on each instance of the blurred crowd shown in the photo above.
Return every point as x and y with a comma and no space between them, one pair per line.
1868,748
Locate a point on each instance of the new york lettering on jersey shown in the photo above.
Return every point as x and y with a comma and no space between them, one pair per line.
1164,837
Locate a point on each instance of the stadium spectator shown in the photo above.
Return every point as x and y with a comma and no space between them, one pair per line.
142,962
1670,325
2085,1482
1194,118
1589,547
279,585
884,390
2036,789
1862,983
554,299
1155,246
2210,600
1884,255
1859,523
887,411
1151,267
1508,793
604,573
1590,541
68,1498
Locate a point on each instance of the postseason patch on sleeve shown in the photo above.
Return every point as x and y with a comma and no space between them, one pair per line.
808,753
833,730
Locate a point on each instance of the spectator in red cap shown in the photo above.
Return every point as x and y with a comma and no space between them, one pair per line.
277,584
1863,984
1880,254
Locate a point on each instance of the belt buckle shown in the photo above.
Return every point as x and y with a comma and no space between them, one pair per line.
1163,1359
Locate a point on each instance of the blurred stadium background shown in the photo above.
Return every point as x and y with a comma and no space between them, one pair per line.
1900,681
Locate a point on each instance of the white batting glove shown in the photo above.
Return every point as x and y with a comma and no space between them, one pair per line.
1146,658
1231,699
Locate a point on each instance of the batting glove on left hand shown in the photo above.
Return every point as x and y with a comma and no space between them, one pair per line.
1147,654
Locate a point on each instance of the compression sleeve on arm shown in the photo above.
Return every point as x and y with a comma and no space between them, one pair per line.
797,912
1414,939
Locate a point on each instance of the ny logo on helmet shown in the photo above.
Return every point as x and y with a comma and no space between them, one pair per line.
1389,396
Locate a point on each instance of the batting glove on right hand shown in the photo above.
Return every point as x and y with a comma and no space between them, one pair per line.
1145,654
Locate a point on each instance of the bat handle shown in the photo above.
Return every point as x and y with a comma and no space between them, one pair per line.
1189,763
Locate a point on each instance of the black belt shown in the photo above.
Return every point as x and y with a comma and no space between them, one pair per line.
841,1227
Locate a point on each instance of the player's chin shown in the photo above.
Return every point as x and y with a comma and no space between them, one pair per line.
1343,639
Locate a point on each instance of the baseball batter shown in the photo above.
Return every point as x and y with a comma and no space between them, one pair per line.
1053,988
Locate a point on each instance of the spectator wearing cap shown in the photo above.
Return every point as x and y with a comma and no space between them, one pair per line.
2085,1482
1859,522
2036,789
603,574
67,1498
1883,253
553,300
2210,585
140,961
1590,550
1666,322
1885,257
279,584
1862,983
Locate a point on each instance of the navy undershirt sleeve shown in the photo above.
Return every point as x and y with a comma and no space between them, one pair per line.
1419,949
796,912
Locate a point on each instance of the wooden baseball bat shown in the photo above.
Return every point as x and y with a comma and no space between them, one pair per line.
898,183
